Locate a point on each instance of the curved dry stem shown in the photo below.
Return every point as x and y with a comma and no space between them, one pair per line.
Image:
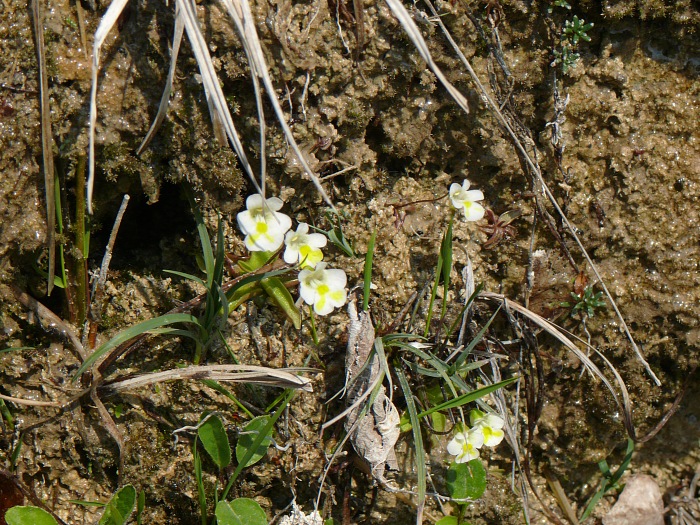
624,405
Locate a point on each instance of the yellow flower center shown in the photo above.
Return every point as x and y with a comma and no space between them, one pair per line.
323,289
261,227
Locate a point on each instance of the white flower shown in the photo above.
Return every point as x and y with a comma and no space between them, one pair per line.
303,247
490,424
261,223
465,445
465,199
324,289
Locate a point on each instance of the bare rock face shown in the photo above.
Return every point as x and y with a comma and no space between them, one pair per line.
639,504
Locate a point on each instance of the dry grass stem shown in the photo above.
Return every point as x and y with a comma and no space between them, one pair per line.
165,99
46,143
281,378
624,405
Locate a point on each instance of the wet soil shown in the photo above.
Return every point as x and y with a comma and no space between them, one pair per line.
624,166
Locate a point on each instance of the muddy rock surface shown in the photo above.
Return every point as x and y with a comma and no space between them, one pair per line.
614,134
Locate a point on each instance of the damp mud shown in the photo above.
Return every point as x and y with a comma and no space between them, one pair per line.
616,139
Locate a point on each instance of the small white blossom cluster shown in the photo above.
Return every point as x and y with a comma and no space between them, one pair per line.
462,198
486,430
266,229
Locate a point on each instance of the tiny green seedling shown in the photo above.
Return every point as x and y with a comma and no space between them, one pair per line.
610,480
585,305
576,29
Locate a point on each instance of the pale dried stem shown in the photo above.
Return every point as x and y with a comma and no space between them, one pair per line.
46,143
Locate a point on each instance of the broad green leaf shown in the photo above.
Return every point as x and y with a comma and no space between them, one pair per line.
466,480
248,437
215,441
241,511
29,516
448,520
439,422
256,261
119,507
259,439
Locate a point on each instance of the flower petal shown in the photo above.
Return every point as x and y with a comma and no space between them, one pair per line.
473,211
317,240
455,446
474,195
336,279
273,203
254,201
492,436
291,254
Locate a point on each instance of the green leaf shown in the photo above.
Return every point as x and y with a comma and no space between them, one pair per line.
277,291
468,397
249,434
448,520
140,506
256,261
466,480
609,479
187,276
241,511
215,441
29,516
262,436
119,507
132,332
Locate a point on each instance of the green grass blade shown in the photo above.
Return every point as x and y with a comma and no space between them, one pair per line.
608,479
205,240
368,270
469,397
220,253
226,392
187,276
130,333
475,341
458,319
417,435
446,253
433,295
201,494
